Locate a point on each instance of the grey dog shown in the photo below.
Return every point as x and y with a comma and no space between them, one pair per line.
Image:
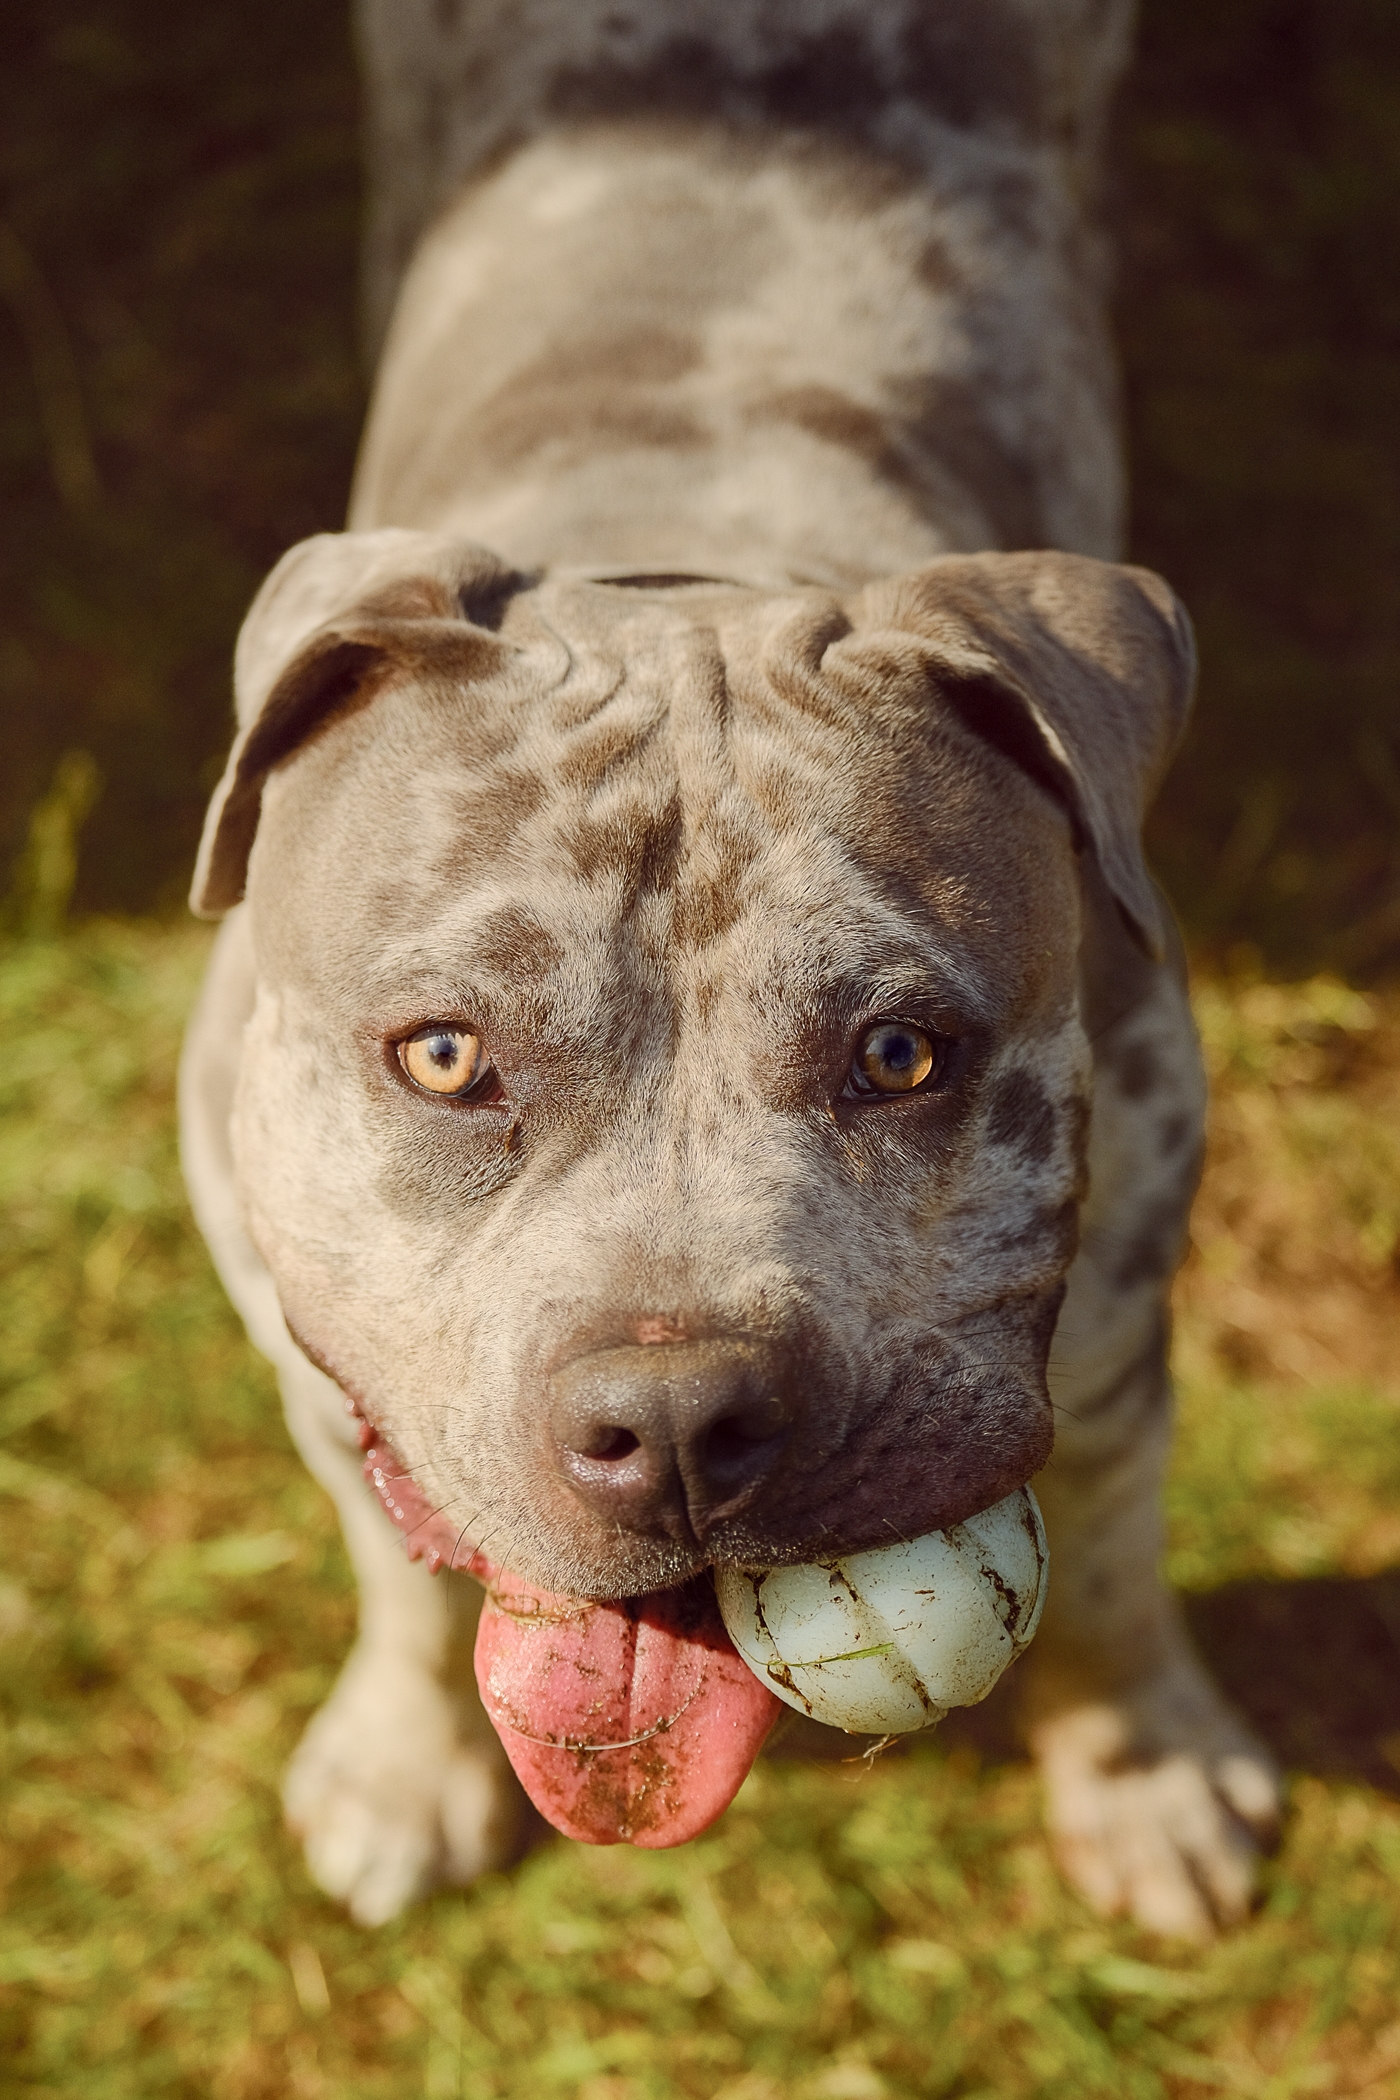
693,1051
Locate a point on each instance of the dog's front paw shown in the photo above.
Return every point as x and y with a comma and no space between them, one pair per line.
386,1796
1159,1804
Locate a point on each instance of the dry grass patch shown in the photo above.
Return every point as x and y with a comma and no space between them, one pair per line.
1294,1275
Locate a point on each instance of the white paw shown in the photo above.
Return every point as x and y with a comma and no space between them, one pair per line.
1158,1805
387,1798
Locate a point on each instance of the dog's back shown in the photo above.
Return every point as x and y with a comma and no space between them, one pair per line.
781,288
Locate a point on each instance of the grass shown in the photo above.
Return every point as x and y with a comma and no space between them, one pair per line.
179,399
173,1602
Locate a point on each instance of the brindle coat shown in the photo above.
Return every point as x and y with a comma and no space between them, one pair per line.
729,313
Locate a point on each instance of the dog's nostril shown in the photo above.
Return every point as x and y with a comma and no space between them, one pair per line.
610,1442
667,1437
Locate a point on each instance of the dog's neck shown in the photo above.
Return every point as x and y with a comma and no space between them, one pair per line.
763,288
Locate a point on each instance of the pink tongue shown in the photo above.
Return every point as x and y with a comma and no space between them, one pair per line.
630,1723
626,1723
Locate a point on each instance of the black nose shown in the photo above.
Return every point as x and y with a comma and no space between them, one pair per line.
676,1436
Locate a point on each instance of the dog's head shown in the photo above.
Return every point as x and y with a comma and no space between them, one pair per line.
664,1107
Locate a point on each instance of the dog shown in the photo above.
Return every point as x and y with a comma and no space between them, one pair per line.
694,1069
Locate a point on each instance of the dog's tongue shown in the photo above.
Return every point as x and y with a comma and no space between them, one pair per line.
629,1723
626,1723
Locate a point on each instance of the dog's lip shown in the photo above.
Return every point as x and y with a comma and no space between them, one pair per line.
434,1537
425,1530
429,1534
631,1719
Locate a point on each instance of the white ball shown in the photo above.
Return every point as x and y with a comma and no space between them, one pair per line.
883,1642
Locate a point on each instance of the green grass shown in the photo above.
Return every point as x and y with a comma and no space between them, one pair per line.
173,1599
173,1602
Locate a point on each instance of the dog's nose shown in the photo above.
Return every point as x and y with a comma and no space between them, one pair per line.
673,1437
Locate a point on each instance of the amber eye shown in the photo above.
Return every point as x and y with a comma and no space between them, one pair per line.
443,1059
893,1057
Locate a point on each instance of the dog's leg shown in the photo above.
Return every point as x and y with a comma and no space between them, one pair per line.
1157,1793
400,1781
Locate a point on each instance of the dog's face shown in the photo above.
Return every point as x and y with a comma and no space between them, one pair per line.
664,1108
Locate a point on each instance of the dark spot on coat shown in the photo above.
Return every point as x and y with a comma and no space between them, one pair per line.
1151,1250
639,843
1173,1132
594,389
888,446
707,909
597,845
1137,1069
589,757
946,416
835,418
825,78
971,63
486,820
936,267
513,942
1052,1231
707,997
1021,1114
655,866
936,431
968,63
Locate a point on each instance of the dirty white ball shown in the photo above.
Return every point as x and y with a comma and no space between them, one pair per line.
886,1641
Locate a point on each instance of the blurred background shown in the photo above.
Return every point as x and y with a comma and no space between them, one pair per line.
180,395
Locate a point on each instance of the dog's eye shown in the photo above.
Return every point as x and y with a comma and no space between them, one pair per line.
443,1059
893,1057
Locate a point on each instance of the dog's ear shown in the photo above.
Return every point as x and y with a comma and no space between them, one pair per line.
1080,671
338,617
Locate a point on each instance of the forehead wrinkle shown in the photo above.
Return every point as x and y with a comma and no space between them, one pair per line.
700,716
658,654
589,747
658,722
803,903
818,893
450,943
858,971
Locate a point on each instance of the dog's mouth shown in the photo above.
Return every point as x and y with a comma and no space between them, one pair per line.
632,1722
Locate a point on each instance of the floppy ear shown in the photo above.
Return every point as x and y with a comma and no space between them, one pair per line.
1081,671
339,616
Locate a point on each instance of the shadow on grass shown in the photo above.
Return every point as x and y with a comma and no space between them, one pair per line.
1313,1664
